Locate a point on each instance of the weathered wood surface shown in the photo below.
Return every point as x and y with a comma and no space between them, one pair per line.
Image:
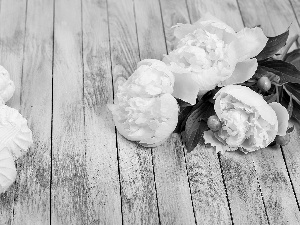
69,186
12,34
32,195
65,56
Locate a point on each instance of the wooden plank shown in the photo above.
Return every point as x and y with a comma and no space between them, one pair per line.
33,190
282,17
173,12
139,204
104,206
207,188
240,178
275,183
296,9
173,193
11,57
69,171
292,159
209,199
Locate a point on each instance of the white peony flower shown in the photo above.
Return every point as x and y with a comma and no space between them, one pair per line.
14,132
210,53
248,121
144,109
8,170
151,78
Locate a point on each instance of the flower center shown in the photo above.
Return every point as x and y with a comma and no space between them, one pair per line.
207,50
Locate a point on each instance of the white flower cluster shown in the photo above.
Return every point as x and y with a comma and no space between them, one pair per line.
15,136
144,109
249,122
208,54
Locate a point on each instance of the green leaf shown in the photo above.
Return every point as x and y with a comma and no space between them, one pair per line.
270,98
184,112
293,90
196,124
290,129
273,45
286,71
294,58
285,100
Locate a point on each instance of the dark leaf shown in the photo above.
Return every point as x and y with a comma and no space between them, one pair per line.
273,45
271,98
182,117
285,100
290,107
296,111
196,124
294,58
286,71
290,129
293,90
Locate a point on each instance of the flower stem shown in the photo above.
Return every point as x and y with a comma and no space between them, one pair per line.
277,92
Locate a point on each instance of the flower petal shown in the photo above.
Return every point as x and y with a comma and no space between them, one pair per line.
183,29
185,87
282,117
210,138
249,42
243,72
250,98
209,20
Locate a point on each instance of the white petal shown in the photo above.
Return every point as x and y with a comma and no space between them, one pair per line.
249,42
185,87
183,29
243,72
210,138
209,20
282,117
250,98
8,171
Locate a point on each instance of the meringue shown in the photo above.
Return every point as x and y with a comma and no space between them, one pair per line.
7,87
8,170
14,132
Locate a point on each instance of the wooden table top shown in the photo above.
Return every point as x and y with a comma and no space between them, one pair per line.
63,56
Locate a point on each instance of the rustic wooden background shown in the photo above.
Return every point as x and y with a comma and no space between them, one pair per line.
63,56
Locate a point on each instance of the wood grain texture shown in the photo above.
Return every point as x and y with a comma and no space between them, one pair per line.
104,205
173,193
243,189
69,189
207,187
277,190
292,159
238,170
12,33
32,195
139,203
173,12
295,5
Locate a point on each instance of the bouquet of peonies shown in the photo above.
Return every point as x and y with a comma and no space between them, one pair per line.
219,87
15,136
